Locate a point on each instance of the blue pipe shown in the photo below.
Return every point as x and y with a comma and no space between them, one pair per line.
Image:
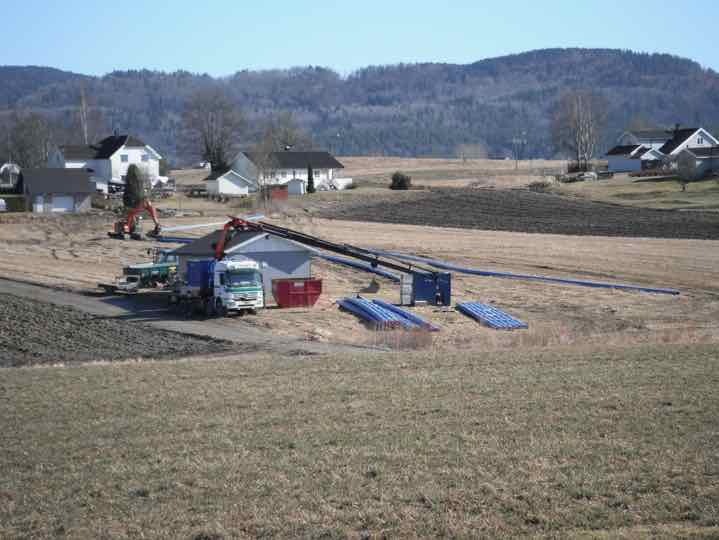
361,266
175,240
486,273
416,319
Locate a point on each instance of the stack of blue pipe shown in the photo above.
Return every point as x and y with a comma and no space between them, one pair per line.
383,316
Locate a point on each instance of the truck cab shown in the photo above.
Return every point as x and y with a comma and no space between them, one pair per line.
238,285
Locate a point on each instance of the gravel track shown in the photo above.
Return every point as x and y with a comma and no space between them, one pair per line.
37,333
527,211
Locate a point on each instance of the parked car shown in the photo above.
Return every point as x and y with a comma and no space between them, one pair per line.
3,205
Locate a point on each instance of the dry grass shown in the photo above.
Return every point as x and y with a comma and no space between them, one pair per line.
645,193
554,443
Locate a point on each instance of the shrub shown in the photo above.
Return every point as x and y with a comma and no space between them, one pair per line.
400,181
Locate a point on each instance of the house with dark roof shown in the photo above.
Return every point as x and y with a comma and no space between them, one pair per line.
278,258
651,148
250,171
57,190
108,159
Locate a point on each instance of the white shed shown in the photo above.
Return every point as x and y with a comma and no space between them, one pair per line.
228,184
297,186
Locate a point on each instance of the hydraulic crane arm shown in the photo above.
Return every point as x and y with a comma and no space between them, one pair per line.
238,224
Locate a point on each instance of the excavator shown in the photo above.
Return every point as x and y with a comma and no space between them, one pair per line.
131,226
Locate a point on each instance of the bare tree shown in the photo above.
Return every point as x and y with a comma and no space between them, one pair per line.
29,140
83,115
284,133
578,124
263,158
214,124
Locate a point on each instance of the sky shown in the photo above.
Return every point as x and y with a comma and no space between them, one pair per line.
221,37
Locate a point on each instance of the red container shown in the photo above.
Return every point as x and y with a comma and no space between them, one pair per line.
299,292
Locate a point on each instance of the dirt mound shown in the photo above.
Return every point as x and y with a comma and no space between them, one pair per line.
35,333
528,211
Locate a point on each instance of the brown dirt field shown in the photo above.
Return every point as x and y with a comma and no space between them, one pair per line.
67,253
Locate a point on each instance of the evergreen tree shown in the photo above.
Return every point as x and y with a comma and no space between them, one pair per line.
310,180
134,187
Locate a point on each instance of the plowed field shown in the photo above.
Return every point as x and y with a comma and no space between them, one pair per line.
526,211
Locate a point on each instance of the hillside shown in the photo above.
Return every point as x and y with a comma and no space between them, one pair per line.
406,110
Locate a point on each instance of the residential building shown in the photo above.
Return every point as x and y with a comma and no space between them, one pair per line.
250,170
108,159
698,163
278,258
651,138
633,158
57,190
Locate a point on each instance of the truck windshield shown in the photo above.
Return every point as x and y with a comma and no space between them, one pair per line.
243,278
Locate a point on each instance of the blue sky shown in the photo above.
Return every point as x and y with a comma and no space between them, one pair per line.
220,37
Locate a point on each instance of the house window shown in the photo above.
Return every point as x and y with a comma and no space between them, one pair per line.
123,158
700,140
145,157
283,174
318,172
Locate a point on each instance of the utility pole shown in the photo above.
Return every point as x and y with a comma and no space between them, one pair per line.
519,144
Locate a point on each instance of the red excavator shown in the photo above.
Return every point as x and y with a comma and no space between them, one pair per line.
130,226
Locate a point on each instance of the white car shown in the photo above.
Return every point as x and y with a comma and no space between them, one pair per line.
3,205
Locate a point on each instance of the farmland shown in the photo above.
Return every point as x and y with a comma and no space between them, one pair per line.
561,442
597,421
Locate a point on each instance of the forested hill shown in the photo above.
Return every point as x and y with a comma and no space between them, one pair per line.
408,109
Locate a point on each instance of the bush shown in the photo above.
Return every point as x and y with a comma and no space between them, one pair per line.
400,181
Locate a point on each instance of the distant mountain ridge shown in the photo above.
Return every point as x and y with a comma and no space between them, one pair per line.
426,109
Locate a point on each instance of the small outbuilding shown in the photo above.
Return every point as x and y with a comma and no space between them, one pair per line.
278,258
57,190
698,163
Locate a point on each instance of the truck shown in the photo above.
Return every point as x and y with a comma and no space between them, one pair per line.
161,271
219,287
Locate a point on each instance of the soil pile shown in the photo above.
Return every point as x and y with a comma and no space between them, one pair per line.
35,333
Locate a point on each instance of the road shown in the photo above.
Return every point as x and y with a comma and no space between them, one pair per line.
151,308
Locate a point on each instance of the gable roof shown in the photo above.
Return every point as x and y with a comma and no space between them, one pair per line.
298,160
205,246
103,149
57,181
679,137
623,150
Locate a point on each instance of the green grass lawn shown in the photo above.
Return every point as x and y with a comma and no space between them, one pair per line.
622,443
648,193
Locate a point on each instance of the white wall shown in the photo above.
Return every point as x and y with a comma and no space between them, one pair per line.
134,157
229,185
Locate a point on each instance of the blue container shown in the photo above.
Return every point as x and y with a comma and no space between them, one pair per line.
434,289
199,273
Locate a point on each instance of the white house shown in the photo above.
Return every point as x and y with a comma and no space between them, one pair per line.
109,159
687,138
250,170
653,138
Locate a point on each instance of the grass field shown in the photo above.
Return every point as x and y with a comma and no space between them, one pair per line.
663,194
559,442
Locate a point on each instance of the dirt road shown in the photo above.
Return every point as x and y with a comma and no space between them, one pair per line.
147,310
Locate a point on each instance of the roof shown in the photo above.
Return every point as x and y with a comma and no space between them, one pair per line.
298,160
57,181
679,137
205,246
103,149
622,150
651,133
706,152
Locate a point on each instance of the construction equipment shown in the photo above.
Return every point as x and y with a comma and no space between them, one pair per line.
218,287
130,226
161,271
420,284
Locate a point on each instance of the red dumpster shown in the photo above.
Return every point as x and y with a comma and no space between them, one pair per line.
298,292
